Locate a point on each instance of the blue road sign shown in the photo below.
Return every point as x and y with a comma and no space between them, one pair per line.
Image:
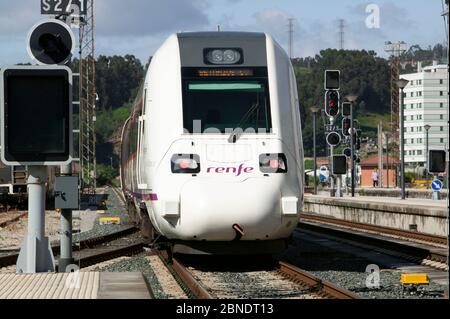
436,185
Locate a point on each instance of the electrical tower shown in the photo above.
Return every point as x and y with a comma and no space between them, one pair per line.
87,100
341,33
291,37
395,50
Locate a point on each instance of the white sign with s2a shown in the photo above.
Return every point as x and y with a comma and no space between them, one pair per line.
63,6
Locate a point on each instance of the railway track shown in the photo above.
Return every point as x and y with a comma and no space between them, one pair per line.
324,288
433,239
90,243
421,254
13,220
92,256
281,280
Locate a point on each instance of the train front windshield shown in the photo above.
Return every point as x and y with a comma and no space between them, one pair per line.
224,105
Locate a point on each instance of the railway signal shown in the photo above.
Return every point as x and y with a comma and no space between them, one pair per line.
346,109
36,115
50,42
333,139
339,166
437,161
346,126
354,136
347,152
36,130
332,103
358,143
332,79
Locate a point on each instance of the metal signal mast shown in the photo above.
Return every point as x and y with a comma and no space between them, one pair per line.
395,50
88,98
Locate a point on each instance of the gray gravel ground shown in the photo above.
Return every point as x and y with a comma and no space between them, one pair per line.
114,208
136,263
349,271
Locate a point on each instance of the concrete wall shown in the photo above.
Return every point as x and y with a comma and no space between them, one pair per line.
429,219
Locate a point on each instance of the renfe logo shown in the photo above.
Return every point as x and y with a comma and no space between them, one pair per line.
230,170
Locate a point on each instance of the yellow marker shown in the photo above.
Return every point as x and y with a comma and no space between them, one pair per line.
414,279
101,211
109,220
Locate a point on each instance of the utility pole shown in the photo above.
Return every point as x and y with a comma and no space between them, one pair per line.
380,154
291,37
314,111
427,131
446,14
402,84
387,159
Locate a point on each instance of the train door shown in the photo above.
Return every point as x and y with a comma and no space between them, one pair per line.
141,151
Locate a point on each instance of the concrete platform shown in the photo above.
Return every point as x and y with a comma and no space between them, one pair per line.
80,285
427,215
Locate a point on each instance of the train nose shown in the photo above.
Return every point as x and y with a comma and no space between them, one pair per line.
210,210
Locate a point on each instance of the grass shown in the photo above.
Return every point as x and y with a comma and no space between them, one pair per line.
371,120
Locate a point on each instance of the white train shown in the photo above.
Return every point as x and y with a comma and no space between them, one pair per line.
212,155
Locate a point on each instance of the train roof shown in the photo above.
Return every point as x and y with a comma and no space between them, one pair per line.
221,34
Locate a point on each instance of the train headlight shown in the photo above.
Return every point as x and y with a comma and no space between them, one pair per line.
185,164
223,56
273,163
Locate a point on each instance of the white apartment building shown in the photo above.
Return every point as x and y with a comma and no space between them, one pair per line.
425,103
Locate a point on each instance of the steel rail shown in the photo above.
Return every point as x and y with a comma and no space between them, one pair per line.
10,259
412,252
323,287
379,229
12,220
96,256
187,280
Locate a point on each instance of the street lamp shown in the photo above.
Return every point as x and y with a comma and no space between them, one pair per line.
427,129
314,111
402,84
352,99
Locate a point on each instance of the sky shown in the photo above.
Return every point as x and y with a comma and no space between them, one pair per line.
139,27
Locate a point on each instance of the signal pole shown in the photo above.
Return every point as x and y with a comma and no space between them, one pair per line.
333,194
352,99
35,254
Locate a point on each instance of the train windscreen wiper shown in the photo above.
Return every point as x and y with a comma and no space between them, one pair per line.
237,132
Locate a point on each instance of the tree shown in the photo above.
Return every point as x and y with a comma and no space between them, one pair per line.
105,175
117,80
